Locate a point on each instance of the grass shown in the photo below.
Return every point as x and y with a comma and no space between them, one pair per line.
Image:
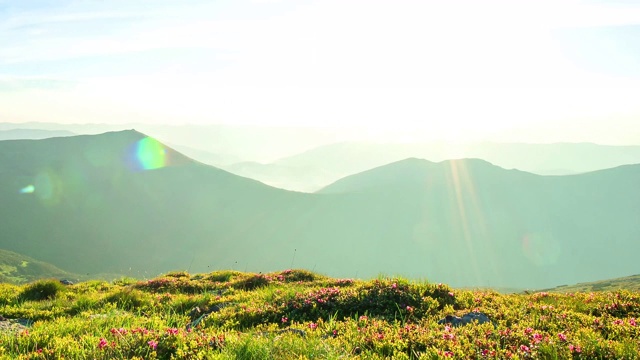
296,314
629,282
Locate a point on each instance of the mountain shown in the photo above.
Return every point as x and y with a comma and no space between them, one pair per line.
18,269
490,223
14,134
328,163
123,202
244,142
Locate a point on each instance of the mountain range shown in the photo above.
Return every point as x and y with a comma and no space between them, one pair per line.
311,170
307,159
123,202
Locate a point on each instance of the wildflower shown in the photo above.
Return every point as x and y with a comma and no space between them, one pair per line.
153,344
172,331
284,319
632,322
618,322
575,349
562,337
102,343
118,332
409,308
449,336
313,326
394,286
380,336
448,354
451,293
537,338
528,330
524,348
363,318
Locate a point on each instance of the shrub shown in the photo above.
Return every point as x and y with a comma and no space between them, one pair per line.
42,290
130,299
222,276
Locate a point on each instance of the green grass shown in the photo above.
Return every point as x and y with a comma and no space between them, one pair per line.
296,314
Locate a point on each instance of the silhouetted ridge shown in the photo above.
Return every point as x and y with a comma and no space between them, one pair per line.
414,172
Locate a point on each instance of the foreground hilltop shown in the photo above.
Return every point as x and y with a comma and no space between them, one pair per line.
300,314
125,203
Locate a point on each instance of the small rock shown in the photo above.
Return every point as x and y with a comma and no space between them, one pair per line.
466,319
66,282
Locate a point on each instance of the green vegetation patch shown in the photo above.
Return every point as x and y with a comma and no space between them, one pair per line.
299,314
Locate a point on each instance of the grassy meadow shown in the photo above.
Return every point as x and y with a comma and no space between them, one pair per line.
296,314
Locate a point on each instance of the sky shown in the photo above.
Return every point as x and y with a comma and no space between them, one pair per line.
516,70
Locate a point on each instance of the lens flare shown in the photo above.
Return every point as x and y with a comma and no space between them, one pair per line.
29,189
150,154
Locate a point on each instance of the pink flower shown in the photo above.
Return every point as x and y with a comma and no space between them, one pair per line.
451,293
448,354
284,319
172,331
153,344
448,336
524,348
537,338
409,308
313,326
562,337
528,330
118,332
632,322
102,343
575,349
618,321
363,318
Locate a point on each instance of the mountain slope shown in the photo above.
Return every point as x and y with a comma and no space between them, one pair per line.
490,224
18,269
630,283
105,204
124,203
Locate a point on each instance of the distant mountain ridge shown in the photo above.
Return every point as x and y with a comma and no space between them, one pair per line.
15,134
307,160
123,202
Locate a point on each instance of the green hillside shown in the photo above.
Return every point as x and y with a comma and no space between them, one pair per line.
123,203
20,269
631,283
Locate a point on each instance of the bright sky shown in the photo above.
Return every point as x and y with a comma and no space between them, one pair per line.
538,70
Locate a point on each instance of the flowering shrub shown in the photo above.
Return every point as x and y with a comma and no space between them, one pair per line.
297,314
